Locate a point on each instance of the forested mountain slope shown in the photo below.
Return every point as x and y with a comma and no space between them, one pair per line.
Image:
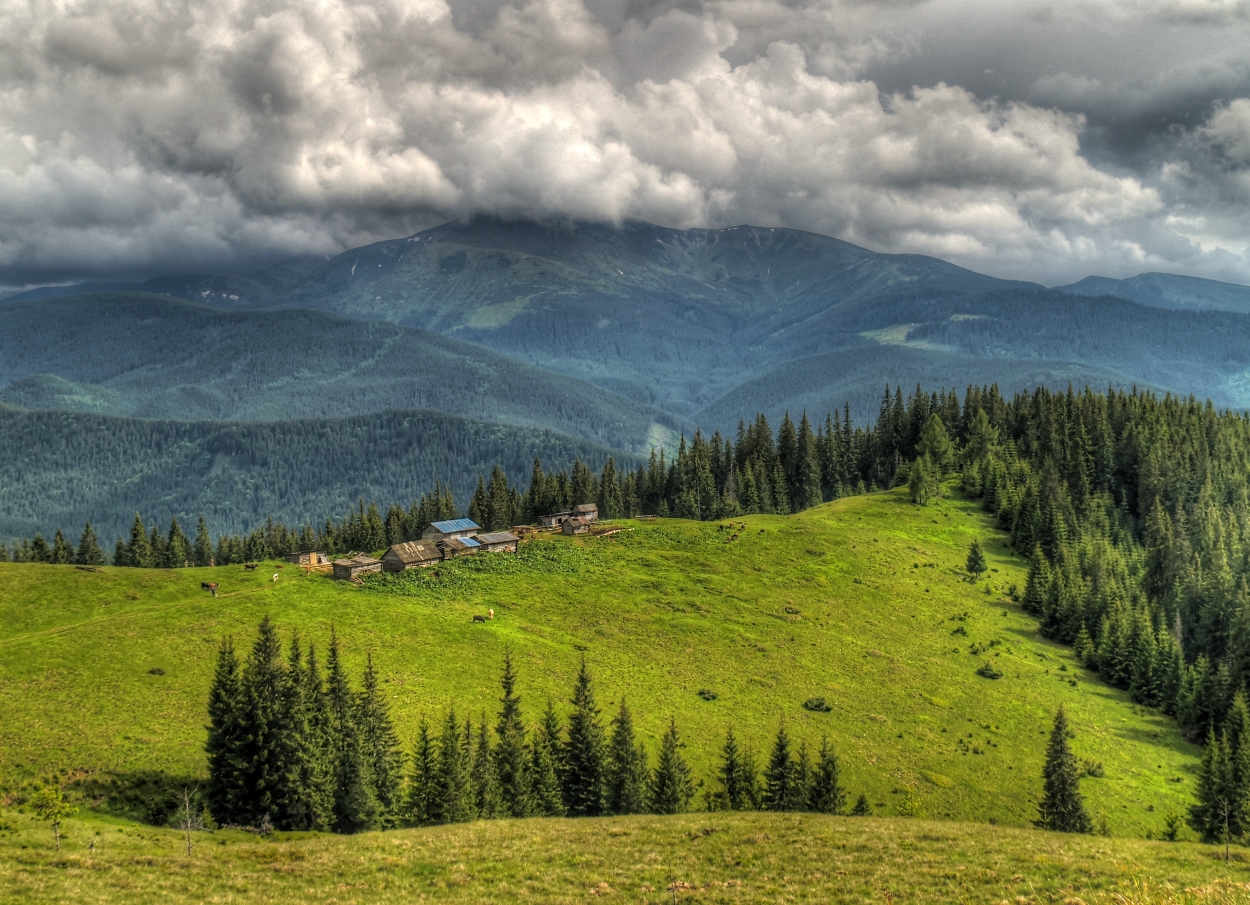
1168,290
61,469
152,356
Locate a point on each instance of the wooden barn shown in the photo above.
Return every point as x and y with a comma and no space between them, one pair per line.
498,540
456,527
345,569
309,559
412,555
575,525
588,512
555,520
454,547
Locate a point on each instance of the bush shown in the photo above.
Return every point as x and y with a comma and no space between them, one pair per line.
817,705
707,694
989,672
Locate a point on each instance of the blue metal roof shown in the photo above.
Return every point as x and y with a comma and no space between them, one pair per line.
456,524
468,541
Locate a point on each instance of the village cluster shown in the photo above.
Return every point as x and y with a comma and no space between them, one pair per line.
451,539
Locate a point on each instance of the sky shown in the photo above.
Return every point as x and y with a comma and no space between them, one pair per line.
1036,140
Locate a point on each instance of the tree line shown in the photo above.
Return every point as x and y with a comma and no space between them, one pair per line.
291,746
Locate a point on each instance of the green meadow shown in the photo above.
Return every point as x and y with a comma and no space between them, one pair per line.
864,602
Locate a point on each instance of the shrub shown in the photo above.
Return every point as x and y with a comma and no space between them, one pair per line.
989,672
817,705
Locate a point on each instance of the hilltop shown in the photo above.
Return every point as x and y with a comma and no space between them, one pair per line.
862,602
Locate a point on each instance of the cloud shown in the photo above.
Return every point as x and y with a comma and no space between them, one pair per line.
158,135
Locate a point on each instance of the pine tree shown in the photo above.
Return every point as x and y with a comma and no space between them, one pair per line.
976,564
583,759
203,549
453,799
225,791
380,747
779,774
89,552
1214,811
265,748
39,550
935,444
922,481
627,769
1062,809
423,786
139,549
485,790
356,807
862,807
738,777
318,764
511,763
671,784
544,767
825,794
62,553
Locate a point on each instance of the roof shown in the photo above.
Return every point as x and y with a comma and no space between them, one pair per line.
467,542
497,537
360,560
585,507
577,521
415,551
456,524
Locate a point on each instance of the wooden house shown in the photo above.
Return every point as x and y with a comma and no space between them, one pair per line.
412,555
454,547
588,512
555,520
308,559
575,525
345,569
456,527
497,541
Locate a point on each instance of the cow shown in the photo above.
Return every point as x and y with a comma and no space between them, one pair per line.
735,536
481,619
251,567
492,613
209,586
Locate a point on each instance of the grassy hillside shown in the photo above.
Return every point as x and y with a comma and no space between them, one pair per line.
60,469
736,858
150,356
862,602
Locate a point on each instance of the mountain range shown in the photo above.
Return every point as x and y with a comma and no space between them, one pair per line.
621,337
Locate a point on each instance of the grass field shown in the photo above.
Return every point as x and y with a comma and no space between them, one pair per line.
862,602
731,858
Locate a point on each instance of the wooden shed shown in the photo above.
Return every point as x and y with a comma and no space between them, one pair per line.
459,546
575,525
345,569
412,555
309,558
498,540
555,520
456,527
589,512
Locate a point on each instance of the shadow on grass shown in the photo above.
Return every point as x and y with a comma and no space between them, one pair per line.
146,796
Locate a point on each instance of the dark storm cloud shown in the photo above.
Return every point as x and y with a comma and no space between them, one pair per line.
1037,141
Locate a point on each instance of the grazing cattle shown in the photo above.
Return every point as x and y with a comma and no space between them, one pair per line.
735,536
251,567
275,576
492,613
481,619
209,586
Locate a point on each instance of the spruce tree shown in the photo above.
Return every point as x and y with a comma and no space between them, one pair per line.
583,757
318,753
265,749
380,747
779,775
452,801
62,553
203,549
356,807
223,746
485,791
825,794
672,786
862,807
139,548
511,762
628,773
801,780
935,444
423,784
975,564
1062,809
544,767
736,775
1214,810
89,552
39,550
